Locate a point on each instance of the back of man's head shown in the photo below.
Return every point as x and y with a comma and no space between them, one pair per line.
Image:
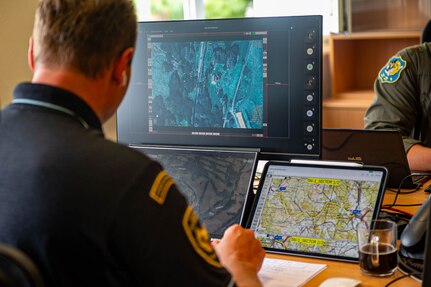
83,35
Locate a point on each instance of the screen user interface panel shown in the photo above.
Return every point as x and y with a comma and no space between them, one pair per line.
253,82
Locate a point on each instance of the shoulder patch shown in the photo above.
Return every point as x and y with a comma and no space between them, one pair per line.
392,71
161,186
199,238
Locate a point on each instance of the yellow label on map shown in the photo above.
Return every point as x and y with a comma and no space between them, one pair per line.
326,181
308,241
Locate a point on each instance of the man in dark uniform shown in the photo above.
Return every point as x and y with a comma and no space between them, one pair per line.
403,102
90,212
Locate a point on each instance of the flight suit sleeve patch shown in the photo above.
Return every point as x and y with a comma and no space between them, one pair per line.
199,238
161,186
393,69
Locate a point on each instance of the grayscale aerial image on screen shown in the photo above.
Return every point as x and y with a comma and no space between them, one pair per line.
212,84
215,183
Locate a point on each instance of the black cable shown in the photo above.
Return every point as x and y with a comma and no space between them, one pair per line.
410,267
398,213
403,192
415,204
397,279
411,272
398,191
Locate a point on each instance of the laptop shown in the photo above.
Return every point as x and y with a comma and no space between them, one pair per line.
215,182
371,147
313,210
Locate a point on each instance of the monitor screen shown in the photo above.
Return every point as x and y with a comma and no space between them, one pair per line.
243,83
216,183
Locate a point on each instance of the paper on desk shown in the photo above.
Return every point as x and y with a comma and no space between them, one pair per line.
286,273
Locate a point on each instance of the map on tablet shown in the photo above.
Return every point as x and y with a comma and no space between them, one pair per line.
314,210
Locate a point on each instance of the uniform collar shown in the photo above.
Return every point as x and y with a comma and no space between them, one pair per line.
58,97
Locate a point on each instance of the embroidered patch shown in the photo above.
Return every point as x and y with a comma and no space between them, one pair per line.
392,71
161,186
199,238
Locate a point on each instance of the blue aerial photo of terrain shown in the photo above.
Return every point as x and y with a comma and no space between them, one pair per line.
212,84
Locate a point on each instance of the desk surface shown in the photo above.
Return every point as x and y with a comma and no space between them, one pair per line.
351,270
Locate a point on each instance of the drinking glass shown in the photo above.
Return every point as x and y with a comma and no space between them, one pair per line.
377,243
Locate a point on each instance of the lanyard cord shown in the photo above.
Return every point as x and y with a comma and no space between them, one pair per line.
52,107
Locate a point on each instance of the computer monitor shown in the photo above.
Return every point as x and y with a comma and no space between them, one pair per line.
242,83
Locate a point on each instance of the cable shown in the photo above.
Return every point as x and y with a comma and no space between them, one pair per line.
397,279
395,190
410,191
398,191
410,267
419,183
413,204
404,265
398,211
424,177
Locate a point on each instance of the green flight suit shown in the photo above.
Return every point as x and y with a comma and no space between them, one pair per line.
403,96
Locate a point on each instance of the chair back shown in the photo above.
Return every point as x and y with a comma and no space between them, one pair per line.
426,33
17,269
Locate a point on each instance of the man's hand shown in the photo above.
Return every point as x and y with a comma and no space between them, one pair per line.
241,254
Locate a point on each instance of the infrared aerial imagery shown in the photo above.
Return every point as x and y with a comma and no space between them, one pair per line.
207,84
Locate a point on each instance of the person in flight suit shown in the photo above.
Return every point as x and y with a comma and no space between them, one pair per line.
403,102
90,212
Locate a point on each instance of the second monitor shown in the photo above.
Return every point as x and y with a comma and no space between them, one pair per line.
243,83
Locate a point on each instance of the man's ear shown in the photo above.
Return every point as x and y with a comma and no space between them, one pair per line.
122,67
30,53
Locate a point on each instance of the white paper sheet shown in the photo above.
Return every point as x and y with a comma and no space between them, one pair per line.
286,273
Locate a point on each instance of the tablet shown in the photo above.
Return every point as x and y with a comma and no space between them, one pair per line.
314,210
216,182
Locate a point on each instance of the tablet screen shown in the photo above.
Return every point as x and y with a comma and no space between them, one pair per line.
314,210
216,183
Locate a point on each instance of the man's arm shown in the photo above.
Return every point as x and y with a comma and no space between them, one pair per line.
241,254
158,239
419,158
394,106
398,103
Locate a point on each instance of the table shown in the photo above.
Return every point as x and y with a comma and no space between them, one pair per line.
351,270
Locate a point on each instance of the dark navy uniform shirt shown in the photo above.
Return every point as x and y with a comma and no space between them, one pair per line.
88,211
